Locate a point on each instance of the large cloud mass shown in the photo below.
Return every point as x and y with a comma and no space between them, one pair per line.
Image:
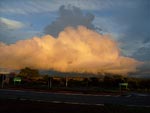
70,16
74,50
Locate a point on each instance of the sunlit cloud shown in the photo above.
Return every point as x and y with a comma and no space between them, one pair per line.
74,50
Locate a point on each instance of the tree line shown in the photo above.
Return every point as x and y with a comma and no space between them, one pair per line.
32,77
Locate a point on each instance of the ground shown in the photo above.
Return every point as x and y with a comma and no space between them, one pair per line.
27,106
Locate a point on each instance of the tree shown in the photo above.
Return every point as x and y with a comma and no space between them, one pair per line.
109,81
29,73
94,81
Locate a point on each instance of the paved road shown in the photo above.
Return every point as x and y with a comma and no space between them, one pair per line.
130,100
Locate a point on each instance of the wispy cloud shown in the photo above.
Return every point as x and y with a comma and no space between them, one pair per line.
27,6
39,6
12,30
10,24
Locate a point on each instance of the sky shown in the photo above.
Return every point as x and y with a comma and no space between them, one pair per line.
121,25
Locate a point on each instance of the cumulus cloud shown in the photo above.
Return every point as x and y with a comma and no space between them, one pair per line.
74,50
69,16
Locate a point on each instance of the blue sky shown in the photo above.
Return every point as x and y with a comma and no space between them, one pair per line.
128,21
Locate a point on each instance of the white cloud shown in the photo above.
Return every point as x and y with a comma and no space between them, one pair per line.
12,30
10,24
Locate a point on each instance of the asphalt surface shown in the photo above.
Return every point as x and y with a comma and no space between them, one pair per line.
133,99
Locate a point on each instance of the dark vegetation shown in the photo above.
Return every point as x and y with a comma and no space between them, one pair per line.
31,78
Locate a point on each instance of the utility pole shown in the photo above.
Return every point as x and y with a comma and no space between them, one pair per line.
3,77
66,81
50,82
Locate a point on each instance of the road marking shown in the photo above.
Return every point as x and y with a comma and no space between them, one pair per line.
60,102
138,106
73,103
83,103
23,98
62,93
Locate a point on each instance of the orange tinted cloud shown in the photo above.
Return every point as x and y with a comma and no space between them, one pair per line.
74,50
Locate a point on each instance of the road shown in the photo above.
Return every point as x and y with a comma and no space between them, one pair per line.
87,99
